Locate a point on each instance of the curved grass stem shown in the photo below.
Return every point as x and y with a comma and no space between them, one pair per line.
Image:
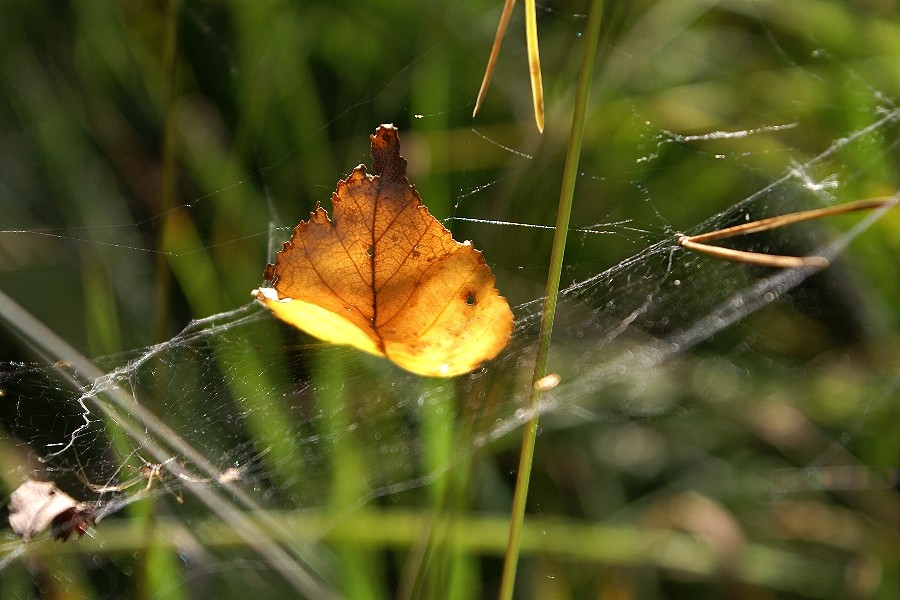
534,64
534,59
567,191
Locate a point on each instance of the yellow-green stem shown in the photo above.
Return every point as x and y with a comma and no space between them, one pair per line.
567,190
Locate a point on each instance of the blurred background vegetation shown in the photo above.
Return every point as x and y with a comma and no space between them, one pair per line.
154,154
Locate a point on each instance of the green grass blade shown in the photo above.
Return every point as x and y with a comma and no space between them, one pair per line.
556,259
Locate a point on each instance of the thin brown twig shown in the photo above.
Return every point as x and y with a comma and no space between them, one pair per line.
698,242
495,52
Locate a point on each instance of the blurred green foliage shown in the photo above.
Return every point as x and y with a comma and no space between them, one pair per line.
151,154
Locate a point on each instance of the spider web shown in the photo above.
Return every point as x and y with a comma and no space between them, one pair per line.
284,440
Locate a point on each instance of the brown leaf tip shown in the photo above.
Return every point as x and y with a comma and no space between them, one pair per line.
76,519
36,505
386,159
269,275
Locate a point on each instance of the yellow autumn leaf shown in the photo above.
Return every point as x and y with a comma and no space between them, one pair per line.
386,277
